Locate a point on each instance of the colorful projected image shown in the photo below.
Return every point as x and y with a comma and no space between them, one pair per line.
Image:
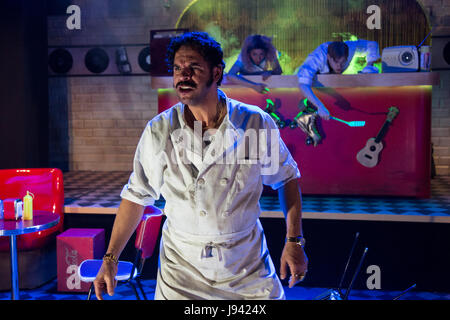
297,27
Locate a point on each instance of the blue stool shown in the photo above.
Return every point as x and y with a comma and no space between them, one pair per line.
146,236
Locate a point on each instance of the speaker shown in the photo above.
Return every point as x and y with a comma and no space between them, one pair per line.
131,59
440,53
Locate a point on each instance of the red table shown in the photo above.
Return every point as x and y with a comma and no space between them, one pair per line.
42,220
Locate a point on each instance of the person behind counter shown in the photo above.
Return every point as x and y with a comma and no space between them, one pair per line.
258,57
334,57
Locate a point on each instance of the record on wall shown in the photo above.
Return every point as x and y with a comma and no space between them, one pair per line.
98,60
60,61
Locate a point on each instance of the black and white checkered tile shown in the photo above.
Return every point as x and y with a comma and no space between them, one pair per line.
86,189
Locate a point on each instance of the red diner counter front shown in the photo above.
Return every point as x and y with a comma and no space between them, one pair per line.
331,168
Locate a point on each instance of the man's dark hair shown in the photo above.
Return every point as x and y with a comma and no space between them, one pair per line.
206,46
338,49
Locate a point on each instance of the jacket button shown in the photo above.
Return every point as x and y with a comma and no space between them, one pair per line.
203,213
226,213
201,181
224,181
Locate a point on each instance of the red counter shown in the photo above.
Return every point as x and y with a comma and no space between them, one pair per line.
331,168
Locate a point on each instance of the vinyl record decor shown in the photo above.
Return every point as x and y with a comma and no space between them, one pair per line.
99,60
144,59
60,61
96,60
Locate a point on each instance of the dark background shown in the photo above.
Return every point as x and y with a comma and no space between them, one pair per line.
23,84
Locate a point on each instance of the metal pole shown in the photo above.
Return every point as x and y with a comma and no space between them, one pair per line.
14,268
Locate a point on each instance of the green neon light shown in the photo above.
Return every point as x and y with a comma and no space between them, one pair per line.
177,24
378,65
298,115
344,36
166,90
275,116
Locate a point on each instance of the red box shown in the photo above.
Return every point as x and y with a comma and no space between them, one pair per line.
12,209
73,247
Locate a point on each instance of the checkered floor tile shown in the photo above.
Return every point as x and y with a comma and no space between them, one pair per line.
86,189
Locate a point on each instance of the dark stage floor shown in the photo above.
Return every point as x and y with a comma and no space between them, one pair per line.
125,292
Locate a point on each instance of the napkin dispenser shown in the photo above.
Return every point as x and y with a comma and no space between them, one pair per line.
11,209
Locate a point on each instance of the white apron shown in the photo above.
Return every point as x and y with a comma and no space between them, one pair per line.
231,267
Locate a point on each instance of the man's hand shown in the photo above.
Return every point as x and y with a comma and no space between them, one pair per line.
105,281
294,258
260,88
323,112
265,75
307,92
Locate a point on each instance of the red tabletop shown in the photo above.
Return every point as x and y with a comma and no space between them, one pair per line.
41,220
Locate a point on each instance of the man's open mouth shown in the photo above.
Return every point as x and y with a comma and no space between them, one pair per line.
186,87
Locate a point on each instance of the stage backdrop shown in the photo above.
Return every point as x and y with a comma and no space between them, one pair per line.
299,26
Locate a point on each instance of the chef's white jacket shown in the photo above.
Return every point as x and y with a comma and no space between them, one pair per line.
213,245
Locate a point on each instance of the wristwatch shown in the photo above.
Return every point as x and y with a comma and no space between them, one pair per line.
300,240
110,257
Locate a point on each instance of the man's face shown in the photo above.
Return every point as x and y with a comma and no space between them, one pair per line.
192,77
257,56
337,64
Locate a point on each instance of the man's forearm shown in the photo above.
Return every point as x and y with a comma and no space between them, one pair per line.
127,219
291,204
309,94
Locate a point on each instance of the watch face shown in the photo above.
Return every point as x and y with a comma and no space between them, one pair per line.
301,242
298,240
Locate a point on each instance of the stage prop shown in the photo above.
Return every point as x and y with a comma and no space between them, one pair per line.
73,247
106,60
36,250
329,166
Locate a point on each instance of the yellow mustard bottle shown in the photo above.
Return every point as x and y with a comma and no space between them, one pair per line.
28,206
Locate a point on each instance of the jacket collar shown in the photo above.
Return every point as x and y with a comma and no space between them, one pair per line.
193,146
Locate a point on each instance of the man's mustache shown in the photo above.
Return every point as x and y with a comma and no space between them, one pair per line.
186,84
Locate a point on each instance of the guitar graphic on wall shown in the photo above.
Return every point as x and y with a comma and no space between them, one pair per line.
368,156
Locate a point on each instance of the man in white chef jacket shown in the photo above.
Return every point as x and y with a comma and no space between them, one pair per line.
195,155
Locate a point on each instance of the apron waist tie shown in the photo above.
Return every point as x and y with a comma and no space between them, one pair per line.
207,250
